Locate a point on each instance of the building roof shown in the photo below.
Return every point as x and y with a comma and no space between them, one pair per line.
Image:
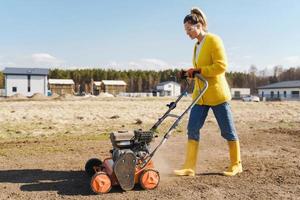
25,71
240,88
97,83
284,84
113,82
61,81
167,82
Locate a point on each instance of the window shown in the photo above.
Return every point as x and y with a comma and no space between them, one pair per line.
295,94
272,94
284,94
14,89
278,94
262,94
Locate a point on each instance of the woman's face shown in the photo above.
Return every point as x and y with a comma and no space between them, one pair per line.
192,30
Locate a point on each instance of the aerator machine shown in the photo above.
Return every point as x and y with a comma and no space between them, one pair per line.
131,157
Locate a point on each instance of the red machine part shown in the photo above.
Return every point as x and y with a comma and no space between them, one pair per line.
139,171
149,179
100,183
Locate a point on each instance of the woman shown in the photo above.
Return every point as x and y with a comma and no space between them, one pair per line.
210,60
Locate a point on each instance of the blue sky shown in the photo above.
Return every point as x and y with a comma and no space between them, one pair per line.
136,34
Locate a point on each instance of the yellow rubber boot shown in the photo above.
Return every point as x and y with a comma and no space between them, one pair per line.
235,159
189,166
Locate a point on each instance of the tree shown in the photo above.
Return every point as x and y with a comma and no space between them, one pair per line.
1,80
144,81
139,84
263,72
277,70
253,71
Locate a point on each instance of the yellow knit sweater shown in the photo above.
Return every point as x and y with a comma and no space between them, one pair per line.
213,63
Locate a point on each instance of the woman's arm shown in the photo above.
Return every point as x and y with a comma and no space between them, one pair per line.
219,58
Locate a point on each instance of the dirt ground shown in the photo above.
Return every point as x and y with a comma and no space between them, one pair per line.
44,146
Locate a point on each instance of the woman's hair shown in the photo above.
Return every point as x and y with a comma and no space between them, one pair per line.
196,16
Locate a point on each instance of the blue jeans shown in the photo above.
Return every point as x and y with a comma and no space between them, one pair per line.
224,118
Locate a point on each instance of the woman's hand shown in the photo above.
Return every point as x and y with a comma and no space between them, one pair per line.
192,71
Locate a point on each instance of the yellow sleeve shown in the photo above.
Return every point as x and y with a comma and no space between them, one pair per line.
219,59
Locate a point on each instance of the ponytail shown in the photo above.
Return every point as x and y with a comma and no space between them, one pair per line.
196,16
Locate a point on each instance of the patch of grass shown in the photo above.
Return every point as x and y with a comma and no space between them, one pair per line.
3,153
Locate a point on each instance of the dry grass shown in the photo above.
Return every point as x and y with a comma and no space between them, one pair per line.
97,116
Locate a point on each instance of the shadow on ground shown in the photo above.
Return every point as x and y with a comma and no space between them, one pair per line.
64,182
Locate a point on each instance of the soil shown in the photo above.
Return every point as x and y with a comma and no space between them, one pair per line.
44,146
38,96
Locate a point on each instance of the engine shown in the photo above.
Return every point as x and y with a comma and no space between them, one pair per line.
136,141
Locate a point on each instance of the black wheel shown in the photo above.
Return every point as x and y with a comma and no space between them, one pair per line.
92,165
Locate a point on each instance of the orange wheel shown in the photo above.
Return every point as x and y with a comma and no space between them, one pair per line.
149,179
100,183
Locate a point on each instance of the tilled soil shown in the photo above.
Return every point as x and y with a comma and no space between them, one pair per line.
50,166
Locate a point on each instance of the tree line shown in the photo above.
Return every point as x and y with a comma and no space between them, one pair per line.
146,80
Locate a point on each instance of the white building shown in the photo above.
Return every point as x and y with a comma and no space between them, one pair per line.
286,90
238,93
168,88
25,81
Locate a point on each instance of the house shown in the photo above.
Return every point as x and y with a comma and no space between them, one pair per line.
61,86
113,86
286,90
25,81
238,93
168,88
97,87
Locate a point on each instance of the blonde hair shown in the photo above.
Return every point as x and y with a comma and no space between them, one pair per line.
197,16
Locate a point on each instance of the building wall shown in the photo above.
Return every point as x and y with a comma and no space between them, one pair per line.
114,89
97,89
38,84
280,93
169,89
62,89
239,92
18,81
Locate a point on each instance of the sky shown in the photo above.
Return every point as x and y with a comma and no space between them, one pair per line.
135,34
